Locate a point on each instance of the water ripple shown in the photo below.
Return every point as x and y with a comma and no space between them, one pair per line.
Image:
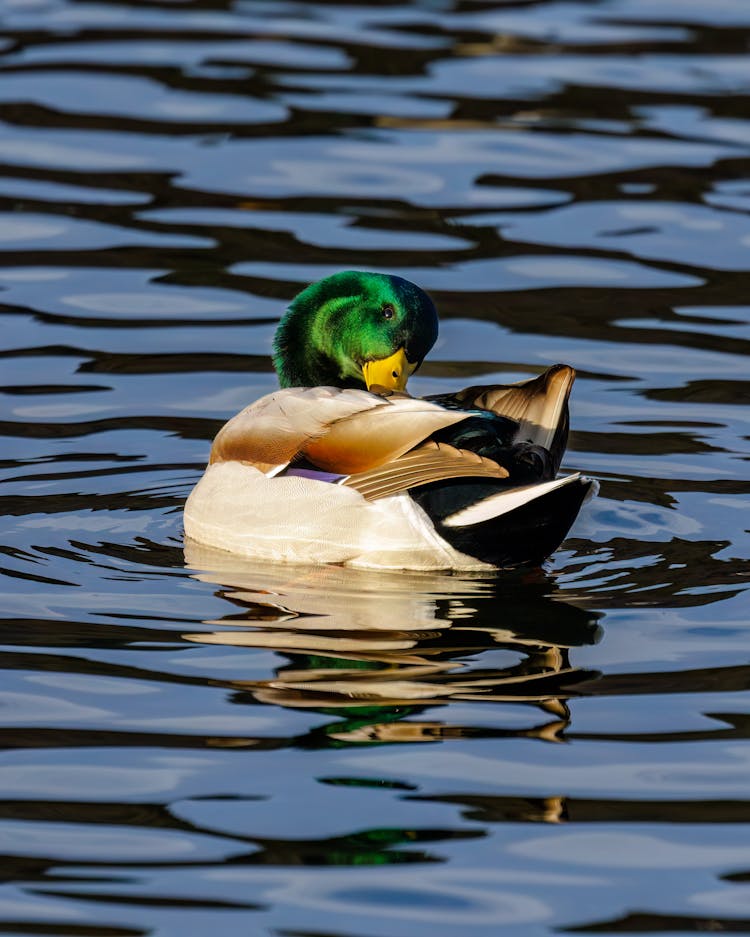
192,742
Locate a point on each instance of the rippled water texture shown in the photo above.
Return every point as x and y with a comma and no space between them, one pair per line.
195,746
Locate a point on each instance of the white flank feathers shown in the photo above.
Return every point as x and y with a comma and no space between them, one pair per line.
235,507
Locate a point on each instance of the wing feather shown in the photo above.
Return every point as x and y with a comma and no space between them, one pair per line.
428,463
338,430
539,406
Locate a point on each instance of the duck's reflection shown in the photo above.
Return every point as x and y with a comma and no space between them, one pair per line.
374,648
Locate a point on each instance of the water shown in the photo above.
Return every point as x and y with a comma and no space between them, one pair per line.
192,745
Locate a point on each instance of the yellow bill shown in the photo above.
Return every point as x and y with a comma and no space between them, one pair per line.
392,373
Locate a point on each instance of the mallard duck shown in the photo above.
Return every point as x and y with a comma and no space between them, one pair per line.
341,465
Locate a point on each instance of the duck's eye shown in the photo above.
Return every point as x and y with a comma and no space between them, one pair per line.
388,311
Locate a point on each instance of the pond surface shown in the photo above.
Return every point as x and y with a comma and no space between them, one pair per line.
196,746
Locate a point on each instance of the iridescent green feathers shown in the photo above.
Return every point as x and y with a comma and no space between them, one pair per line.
338,324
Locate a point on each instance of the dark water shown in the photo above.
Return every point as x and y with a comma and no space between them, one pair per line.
330,753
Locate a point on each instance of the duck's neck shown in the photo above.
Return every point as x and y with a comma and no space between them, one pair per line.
299,361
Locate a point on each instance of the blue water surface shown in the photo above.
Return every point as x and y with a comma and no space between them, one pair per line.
195,745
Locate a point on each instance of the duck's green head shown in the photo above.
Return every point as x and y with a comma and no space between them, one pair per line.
355,329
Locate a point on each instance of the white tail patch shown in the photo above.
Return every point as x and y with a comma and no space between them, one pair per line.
505,501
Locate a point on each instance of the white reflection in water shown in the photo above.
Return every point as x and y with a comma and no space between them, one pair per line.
456,897
298,808
24,909
74,841
45,152
317,228
87,781
726,774
33,274
696,234
46,411
527,154
183,52
175,303
515,273
511,75
655,362
362,638
93,521
27,708
86,683
57,192
327,598
196,724
624,850
134,97
605,517
573,269
731,899
565,22
74,233
13,228
377,103
339,177
719,12
227,400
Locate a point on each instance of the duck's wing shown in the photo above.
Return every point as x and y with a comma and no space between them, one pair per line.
539,407
429,462
343,431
